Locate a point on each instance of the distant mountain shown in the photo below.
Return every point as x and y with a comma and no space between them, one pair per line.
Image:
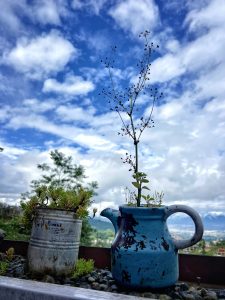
101,224
210,221
214,221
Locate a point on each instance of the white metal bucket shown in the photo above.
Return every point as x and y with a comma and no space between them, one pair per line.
54,244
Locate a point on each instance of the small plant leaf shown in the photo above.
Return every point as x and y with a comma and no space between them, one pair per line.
145,180
146,188
136,184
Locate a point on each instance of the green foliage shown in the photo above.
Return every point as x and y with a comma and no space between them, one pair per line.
64,173
60,187
151,200
8,211
10,253
14,229
86,238
3,267
28,208
58,198
103,238
83,267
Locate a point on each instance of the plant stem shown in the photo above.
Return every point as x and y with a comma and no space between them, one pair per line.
136,171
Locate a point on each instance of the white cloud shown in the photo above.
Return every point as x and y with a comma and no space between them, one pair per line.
207,16
97,40
192,57
87,138
92,6
37,106
135,16
16,171
47,12
40,56
196,55
13,13
170,110
73,85
75,113
4,113
8,14
172,46
167,67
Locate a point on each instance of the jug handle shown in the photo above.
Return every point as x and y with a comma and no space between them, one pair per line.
196,219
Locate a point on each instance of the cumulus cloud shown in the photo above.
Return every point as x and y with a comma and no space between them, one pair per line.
86,138
166,68
40,56
73,85
207,16
47,12
16,169
191,57
13,12
135,16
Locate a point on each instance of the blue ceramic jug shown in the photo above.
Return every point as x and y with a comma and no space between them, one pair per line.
143,253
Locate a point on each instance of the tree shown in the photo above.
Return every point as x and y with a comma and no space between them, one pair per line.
202,246
62,182
63,174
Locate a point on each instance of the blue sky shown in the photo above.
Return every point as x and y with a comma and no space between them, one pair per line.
51,77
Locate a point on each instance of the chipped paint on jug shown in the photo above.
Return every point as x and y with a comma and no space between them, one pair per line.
143,253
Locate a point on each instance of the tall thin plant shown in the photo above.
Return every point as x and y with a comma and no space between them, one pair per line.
125,103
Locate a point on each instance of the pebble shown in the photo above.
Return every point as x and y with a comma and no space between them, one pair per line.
164,297
103,287
187,296
149,295
17,267
91,279
211,296
2,234
48,279
101,279
114,287
95,285
184,286
203,292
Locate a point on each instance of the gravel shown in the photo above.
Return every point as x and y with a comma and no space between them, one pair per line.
102,280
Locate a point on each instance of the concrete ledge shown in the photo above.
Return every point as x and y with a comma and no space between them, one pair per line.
19,289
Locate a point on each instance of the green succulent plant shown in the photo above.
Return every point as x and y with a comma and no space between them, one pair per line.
83,267
3,267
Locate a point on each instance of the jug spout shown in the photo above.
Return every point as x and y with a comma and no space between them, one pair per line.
113,216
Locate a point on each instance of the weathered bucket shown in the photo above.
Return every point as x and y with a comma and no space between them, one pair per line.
54,244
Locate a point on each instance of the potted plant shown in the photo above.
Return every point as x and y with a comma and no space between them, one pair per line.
55,208
144,255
